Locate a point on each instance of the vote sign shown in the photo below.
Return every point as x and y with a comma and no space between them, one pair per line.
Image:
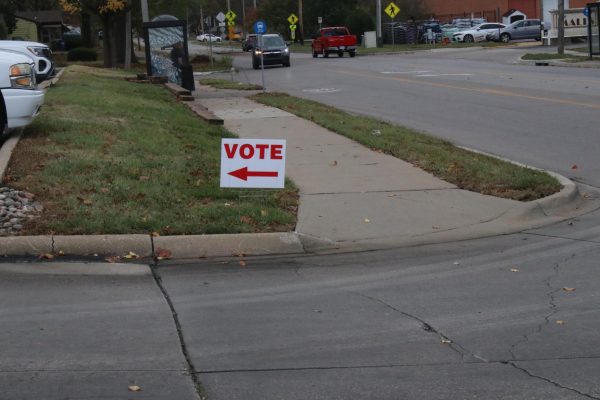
253,163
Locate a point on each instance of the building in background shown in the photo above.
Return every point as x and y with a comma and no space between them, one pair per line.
38,26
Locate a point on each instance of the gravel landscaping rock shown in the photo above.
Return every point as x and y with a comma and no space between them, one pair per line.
16,207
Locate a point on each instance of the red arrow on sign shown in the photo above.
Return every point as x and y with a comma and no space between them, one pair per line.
243,173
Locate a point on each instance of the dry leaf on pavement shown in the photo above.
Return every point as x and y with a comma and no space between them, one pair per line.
514,270
242,263
134,388
559,322
163,254
47,256
131,255
569,289
113,259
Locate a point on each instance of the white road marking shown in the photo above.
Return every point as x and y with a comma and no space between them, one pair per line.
321,90
434,75
404,72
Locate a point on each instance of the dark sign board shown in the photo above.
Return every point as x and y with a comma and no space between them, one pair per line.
166,49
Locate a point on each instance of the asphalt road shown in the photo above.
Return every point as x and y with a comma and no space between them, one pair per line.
511,317
540,116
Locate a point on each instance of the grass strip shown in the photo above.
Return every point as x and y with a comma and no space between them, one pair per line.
107,156
227,84
467,170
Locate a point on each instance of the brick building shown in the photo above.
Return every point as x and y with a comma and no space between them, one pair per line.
445,10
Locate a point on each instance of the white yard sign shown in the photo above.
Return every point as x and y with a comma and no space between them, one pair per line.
252,163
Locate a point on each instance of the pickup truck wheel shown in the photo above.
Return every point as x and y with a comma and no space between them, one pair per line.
352,53
324,52
340,54
315,54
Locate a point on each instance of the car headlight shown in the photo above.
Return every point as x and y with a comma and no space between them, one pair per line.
286,51
22,76
38,51
258,52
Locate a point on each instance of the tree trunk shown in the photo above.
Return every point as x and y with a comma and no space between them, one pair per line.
86,30
106,42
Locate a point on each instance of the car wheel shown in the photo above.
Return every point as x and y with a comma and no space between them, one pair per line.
538,38
286,64
468,39
505,38
352,53
315,54
340,54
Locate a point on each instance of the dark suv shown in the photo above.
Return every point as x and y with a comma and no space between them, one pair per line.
273,49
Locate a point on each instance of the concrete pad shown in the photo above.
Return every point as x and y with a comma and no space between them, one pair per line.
25,245
119,245
232,108
199,246
364,216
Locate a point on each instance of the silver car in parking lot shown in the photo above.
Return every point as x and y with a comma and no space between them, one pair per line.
523,29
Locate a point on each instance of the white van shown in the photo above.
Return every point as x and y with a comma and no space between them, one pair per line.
39,52
20,98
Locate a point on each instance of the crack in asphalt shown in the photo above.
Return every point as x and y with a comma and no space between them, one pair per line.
191,370
558,385
458,348
553,310
562,237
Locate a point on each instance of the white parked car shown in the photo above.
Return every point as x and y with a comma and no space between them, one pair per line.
39,52
477,33
20,98
208,37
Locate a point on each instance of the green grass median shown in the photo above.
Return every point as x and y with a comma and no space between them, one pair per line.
466,169
107,156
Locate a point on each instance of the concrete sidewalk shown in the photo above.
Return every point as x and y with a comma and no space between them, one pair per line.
354,198
351,199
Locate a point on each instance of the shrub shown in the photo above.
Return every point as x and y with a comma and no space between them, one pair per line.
82,54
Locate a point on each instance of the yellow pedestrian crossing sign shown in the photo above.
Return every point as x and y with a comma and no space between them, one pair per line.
292,19
392,10
230,15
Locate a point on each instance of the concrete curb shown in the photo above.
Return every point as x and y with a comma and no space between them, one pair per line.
559,63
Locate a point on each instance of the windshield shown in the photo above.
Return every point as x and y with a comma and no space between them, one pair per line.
272,41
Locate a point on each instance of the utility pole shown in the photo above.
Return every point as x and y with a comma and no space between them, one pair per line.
145,16
379,41
561,26
228,5
300,21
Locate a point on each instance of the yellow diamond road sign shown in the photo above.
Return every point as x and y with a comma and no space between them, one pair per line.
392,10
230,15
292,19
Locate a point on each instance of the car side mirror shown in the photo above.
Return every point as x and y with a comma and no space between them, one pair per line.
288,43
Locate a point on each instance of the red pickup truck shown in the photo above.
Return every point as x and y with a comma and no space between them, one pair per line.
335,39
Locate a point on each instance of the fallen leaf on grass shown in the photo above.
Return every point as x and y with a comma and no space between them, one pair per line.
144,178
134,388
244,219
568,289
163,254
105,190
263,213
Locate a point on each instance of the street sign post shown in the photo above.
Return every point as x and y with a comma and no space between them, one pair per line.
253,163
392,11
292,19
220,17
